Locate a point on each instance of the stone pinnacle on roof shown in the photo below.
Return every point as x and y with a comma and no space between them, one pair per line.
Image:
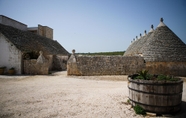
161,23
136,37
161,19
145,33
152,28
140,35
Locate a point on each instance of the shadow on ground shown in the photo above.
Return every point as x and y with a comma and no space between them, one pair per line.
182,112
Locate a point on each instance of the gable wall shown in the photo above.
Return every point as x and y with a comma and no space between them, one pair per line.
10,56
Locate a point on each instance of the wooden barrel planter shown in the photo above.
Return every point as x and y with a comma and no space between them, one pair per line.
156,96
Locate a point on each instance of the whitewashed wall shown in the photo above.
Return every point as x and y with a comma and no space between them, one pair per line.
10,56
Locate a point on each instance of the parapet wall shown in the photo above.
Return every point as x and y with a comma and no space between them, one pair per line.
31,67
104,65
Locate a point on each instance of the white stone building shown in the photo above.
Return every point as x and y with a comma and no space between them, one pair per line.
18,44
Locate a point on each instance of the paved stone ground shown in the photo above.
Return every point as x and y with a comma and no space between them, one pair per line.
61,96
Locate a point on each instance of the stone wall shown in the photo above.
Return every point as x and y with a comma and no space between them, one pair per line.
32,67
167,68
104,65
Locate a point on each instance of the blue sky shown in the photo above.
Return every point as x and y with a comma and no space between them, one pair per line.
98,25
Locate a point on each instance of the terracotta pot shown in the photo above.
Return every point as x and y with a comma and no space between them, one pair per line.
2,71
11,71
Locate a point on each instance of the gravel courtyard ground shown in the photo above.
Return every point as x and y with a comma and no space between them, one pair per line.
62,96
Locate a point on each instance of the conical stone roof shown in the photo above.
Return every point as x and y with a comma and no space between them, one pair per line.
131,49
135,48
164,45
144,40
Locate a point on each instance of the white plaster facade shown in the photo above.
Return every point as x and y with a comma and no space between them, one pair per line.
10,56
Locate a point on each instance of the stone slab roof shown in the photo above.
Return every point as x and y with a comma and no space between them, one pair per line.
142,43
159,45
164,45
136,47
131,49
28,42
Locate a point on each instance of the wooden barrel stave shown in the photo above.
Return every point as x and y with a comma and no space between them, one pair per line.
156,96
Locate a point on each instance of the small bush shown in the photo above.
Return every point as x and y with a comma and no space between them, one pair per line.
11,68
104,53
139,110
128,101
2,67
144,75
166,77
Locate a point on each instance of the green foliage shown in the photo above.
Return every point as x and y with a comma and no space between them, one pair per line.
143,75
11,68
128,101
166,77
103,53
139,110
2,67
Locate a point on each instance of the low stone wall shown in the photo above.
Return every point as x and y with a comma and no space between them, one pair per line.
167,68
104,65
32,67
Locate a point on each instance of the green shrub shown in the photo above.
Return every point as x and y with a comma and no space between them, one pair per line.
128,101
144,75
166,77
12,68
139,110
104,53
3,67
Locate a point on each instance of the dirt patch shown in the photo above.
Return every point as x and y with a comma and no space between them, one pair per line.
58,95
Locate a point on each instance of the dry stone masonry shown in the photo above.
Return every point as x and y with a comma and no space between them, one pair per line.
104,65
39,66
